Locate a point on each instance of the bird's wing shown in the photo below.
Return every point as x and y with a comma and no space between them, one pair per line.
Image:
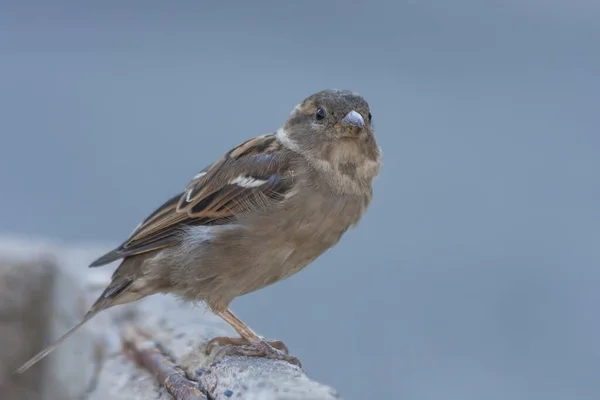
252,176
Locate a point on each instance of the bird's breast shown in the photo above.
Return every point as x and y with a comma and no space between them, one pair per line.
307,234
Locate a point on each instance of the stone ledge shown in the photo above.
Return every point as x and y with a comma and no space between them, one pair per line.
93,363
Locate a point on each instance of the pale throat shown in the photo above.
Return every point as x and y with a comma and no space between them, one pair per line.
285,139
346,166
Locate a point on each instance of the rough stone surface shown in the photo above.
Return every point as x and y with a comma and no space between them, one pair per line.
119,379
53,289
23,286
185,330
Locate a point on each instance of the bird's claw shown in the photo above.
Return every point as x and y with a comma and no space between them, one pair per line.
222,341
275,350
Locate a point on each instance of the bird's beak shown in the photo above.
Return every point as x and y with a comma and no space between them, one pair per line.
353,119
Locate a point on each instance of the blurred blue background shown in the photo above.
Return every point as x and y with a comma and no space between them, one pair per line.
474,275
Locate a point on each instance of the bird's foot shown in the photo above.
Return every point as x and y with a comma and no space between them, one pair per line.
223,341
275,349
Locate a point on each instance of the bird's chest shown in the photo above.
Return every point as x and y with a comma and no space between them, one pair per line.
287,241
310,235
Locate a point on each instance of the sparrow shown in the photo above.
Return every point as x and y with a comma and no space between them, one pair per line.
259,214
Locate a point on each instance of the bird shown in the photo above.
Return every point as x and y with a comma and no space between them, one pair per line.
259,214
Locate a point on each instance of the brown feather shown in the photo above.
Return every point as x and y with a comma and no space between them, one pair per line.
211,199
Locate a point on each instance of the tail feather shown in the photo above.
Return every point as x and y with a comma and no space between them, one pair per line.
107,258
116,293
51,348
106,300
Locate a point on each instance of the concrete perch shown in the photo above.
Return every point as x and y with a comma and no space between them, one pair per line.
151,349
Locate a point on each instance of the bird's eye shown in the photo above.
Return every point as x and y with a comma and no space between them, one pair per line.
320,114
370,117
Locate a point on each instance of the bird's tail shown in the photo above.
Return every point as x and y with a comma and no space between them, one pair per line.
115,293
110,297
50,348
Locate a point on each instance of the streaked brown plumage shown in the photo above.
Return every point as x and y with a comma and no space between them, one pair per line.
259,214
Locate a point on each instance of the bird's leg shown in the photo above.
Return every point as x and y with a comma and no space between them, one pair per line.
249,344
248,336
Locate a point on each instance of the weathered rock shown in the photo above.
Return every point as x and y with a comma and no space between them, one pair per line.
24,286
52,291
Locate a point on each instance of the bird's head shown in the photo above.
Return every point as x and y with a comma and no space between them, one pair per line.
333,129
